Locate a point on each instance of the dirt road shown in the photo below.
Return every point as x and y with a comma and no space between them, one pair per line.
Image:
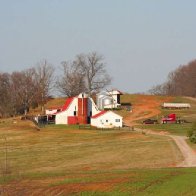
187,152
146,107
149,106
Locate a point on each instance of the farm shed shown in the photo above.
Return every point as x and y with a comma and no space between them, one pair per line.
176,105
106,119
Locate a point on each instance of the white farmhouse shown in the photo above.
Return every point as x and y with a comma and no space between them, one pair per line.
106,119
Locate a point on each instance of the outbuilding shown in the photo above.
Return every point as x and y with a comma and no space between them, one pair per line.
176,105
106,119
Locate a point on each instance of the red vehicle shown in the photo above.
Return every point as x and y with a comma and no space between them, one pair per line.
171,118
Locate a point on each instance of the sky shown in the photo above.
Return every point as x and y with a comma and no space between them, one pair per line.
141,41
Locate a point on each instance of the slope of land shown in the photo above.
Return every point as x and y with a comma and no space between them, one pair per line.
144,106
62,160
187,151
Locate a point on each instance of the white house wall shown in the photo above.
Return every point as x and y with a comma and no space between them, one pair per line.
107,120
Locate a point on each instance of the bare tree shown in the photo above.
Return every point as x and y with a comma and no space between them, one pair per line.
157,90
87,73
180,82
44,77
93,68
71,82
22,91
5,95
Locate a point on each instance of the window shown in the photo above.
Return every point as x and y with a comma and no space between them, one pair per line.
74,113
117,120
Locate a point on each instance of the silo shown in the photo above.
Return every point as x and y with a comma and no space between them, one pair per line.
107,101
83,108
100,99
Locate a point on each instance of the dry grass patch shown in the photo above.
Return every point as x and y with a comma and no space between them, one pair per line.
69,150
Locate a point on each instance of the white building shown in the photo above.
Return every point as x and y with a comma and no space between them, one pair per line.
176,105
82,110
106,119
109,100
77,110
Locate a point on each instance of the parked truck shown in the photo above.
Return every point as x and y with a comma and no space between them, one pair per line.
171,118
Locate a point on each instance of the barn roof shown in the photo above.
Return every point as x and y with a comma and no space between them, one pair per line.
113,91
54,108
67,104
99,114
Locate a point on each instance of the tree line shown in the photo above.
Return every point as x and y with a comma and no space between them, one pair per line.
31,87
180,82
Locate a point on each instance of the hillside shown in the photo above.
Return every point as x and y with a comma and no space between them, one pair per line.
63,160
143,107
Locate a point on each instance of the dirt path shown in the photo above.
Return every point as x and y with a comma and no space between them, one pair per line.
191,98
188,153
147,106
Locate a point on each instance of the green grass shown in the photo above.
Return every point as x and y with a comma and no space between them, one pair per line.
63,160
187,114
192,145
176,129
61,147
54,149
67,161
140,182
150,182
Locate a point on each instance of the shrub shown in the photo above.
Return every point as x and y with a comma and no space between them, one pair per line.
193,138
192,133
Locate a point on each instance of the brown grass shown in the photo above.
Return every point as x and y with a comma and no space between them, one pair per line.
61,149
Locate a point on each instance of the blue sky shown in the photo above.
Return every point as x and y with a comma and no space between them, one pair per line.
142,41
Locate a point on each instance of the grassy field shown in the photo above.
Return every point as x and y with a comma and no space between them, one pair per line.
63,160
62,147
175,129
114,182
87,162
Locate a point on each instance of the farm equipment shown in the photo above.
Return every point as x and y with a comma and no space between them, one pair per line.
171,118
